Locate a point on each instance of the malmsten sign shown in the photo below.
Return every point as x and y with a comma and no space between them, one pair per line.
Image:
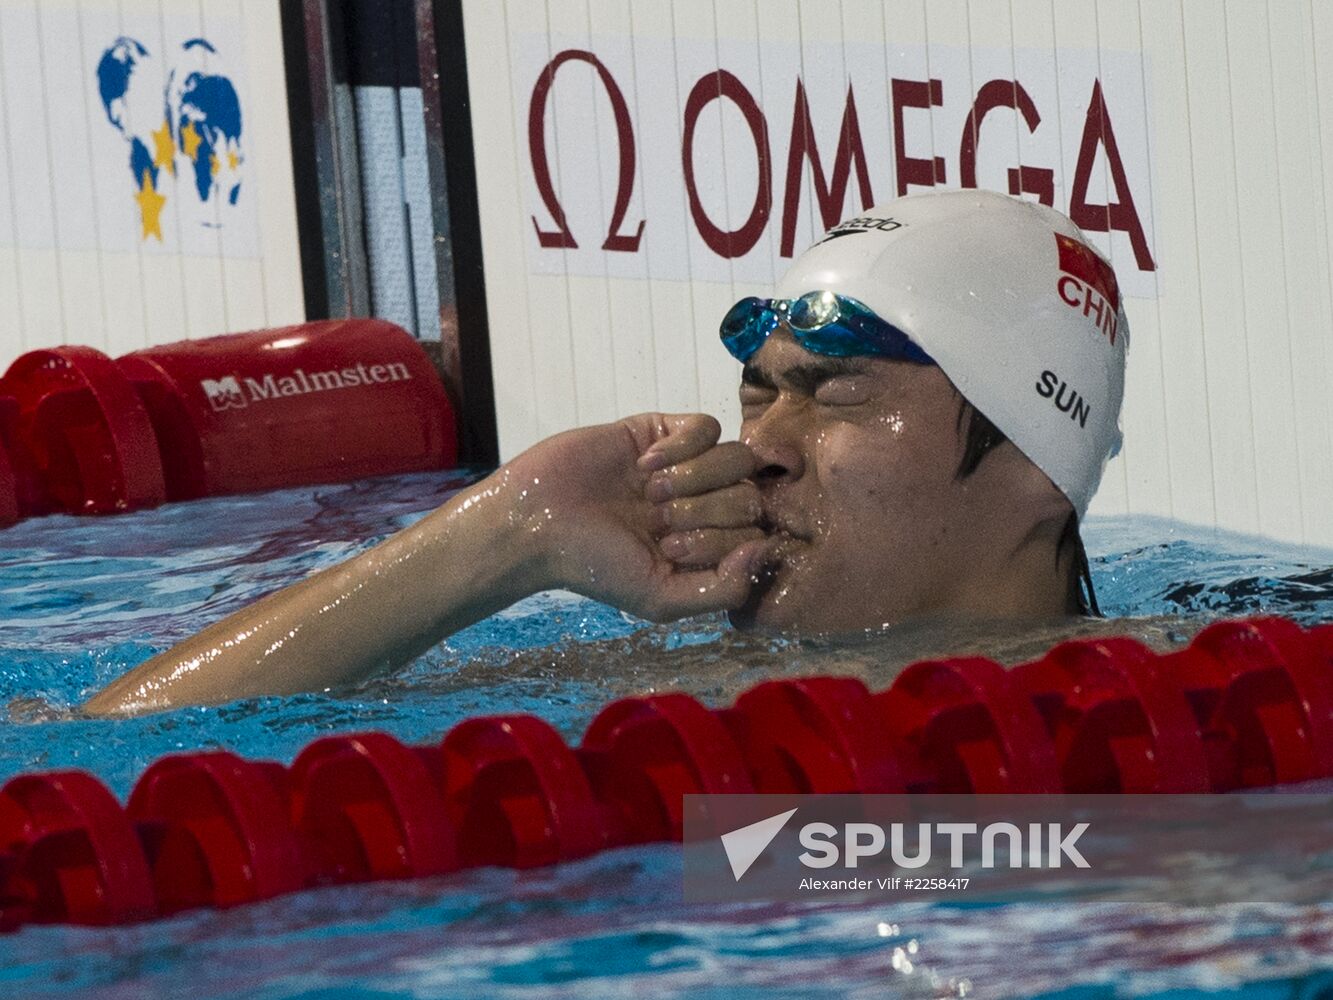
719,160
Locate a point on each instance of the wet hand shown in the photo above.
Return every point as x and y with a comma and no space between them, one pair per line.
705,504
650,514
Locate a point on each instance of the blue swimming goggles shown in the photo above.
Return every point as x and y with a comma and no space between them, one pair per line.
822,322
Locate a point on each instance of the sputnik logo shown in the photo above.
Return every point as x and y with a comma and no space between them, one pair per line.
744,846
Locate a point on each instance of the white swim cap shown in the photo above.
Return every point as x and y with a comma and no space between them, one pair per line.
1019,312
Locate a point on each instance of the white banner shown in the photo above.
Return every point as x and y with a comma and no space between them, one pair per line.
126,132
657,158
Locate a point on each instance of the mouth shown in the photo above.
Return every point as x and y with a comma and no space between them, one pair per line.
776,526
781,561
789,537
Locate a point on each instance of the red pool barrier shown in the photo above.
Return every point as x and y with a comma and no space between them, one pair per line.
217,831
316,403
517,795
87,432
1246,703
73,853
967,725
1263,701
1322,636
815,735
642,755
370,808
1119,723
10,506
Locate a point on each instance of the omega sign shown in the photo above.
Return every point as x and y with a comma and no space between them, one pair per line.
685,161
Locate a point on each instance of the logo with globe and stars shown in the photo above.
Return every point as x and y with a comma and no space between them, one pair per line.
183,128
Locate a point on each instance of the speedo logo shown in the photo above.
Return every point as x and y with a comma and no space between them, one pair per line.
232,392
861,224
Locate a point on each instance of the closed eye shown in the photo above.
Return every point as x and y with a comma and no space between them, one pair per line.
843,390
755,399
828,381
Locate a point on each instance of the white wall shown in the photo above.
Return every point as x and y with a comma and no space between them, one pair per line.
1221,115
80,261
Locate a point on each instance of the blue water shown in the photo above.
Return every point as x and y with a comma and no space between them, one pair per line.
83,600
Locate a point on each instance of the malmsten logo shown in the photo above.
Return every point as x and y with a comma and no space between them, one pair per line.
1088,284
231,392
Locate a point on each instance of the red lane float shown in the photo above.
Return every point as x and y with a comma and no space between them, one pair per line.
1119,723
517,795
815,735
217,831
370,808
1246,703
967,725
316,403
86,431
1322,637
11,508
1263,699
642,755
74,856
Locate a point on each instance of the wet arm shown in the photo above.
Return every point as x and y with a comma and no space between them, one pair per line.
379,609
586,510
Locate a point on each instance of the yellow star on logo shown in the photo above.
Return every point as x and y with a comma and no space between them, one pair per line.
190,140
164,148
233,160
150,207
214,164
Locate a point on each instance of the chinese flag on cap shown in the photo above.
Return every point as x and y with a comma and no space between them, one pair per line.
1081,262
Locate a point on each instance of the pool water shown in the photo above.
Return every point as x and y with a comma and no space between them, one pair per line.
83,600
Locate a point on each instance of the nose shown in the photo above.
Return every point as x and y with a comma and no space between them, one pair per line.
778,456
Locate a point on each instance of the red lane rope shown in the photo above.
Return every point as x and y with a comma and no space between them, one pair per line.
1248,703
325,402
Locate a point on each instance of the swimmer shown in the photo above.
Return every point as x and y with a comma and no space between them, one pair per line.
928,403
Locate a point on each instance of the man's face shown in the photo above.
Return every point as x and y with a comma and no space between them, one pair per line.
857,460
